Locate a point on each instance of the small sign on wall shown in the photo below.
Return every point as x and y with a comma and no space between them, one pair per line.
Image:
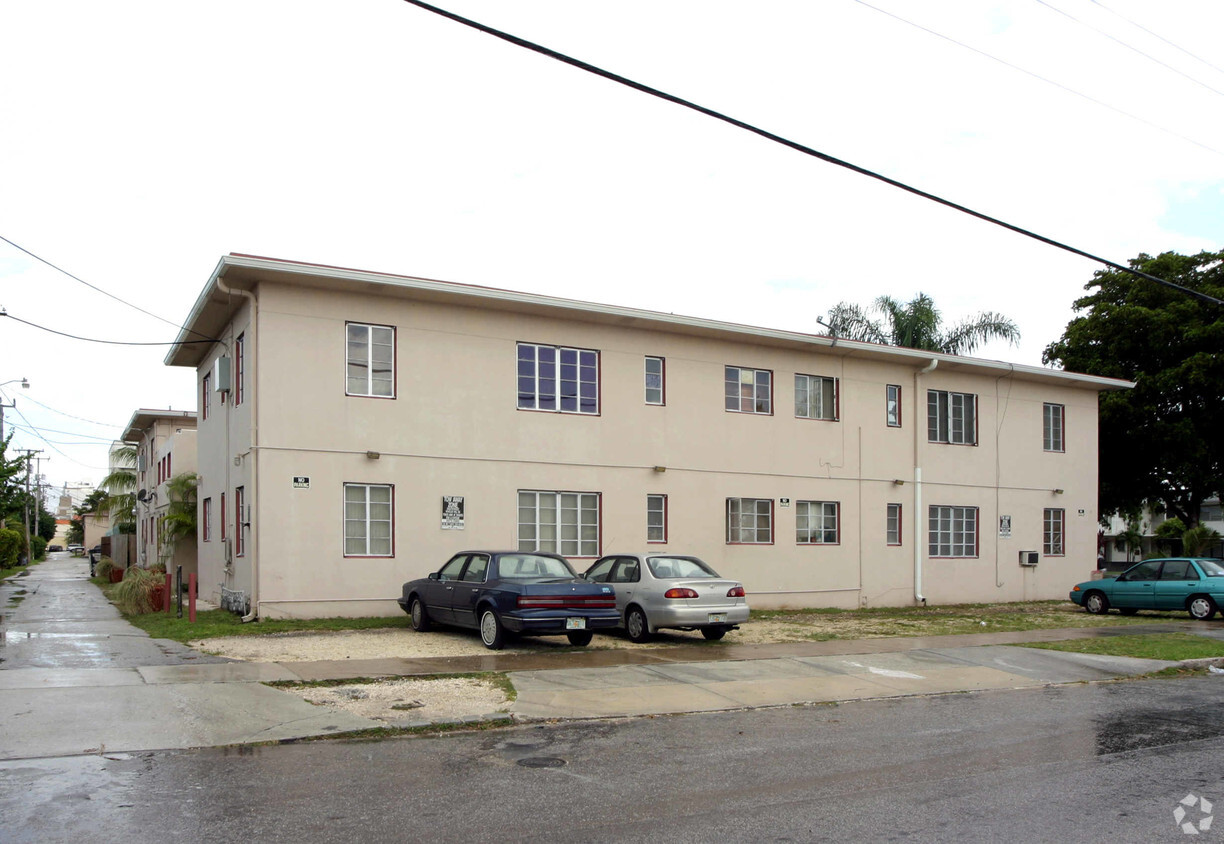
784,502
452,512
301,482
1005,527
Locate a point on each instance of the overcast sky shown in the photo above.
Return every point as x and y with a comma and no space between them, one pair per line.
141,141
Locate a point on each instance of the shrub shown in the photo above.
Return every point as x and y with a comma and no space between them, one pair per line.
38,548
160,568
104,568
10,547
134,595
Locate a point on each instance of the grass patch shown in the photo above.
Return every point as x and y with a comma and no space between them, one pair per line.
213,624
1167,646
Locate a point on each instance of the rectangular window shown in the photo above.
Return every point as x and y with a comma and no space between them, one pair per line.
654,381
749,521
1052,534
206,518
370,356
239,521
953,531
951,417
558,379
816,522
656,518
566,523
815,397
748,390
206,397
892,406
239,369
368,520
893,529
1052,427
223,515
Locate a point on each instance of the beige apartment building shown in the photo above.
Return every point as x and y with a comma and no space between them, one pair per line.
165,442
357,428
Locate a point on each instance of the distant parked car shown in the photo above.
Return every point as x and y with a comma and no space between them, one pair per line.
1193,584
74,549
655,591
55,548
501,593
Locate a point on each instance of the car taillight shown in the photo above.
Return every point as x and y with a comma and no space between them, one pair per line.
567,602
680,593
735,592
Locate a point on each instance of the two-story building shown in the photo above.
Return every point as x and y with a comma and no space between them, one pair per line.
357,428
165,443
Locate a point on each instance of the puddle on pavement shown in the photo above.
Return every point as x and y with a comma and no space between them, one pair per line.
18,635
1138,730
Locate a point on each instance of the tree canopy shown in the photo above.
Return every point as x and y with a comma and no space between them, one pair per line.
1160,443
918,324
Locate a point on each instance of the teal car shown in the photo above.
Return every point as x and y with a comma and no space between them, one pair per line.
1193,584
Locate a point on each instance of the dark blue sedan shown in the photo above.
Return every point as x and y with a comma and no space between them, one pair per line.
511,592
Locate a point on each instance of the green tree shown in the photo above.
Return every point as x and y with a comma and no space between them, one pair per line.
179,522
1169,535
1199,539
76,526
120,488
918,324
1160,443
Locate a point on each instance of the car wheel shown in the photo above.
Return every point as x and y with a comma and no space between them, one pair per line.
1096,603
491,631
420,618
713,633
1128,610
580,638
1201,607
636,626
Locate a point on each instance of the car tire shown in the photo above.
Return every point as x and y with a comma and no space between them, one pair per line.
1096,603
1201,607
580,638
636,626
418,615
1128,610
713,633
491,631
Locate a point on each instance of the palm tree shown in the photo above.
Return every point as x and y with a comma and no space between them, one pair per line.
179,522
1198,540
916,324
120,488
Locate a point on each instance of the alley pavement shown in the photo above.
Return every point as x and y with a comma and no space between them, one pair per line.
75,678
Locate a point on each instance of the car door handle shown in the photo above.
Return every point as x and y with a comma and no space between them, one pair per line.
450,588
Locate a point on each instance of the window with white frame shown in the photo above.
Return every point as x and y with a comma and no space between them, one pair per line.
748,390
953,531
815,397
558,379
1052,426
892,406
239,520
206,518
893,525
816,522
749,521
370,357
656,518
655,393
239,369
368,520
1054,523
566,523
206,396
951,417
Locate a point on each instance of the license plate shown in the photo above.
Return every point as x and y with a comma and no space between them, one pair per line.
718,618
575,624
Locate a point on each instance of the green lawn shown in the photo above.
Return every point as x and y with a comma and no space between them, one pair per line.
1169,646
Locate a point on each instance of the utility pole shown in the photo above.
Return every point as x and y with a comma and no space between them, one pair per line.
38,488
28,453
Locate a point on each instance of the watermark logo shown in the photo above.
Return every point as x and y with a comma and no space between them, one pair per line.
1190,806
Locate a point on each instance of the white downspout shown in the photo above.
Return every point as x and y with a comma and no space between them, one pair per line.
253,331
918,519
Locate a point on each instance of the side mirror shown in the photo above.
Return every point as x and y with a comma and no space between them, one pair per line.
433,575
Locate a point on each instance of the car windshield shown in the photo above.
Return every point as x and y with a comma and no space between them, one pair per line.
1212,568
688,567
523,566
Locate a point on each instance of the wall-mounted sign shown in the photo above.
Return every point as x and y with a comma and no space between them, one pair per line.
301,482
452,512
783,502
1005,527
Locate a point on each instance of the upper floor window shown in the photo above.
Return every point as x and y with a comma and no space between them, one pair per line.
239,368
1053,531
749,390
558,379
656,518
565,523
206,396
749,521
368,520
892,529
951,417
370,355
953,531
815,397
816,522
892,406
206,520
654,381
1052,426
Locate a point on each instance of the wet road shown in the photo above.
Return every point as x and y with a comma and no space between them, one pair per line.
1100,762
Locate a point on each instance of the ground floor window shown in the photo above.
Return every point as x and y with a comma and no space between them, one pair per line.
566,523
1053,532
749,521
816,522
239,521
953,531
368,517
206,518
656,518
893,527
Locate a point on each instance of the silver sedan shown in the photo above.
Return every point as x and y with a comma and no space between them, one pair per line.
655,591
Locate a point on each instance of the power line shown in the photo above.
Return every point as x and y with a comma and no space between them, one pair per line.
1157,36
4,313
806,150
73,434
69,415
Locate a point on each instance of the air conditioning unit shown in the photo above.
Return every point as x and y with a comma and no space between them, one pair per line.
1028,558
221,375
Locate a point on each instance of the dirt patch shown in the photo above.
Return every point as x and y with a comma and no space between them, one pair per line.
408,701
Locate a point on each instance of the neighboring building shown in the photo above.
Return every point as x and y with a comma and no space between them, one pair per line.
165,442
356,429
1116,555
